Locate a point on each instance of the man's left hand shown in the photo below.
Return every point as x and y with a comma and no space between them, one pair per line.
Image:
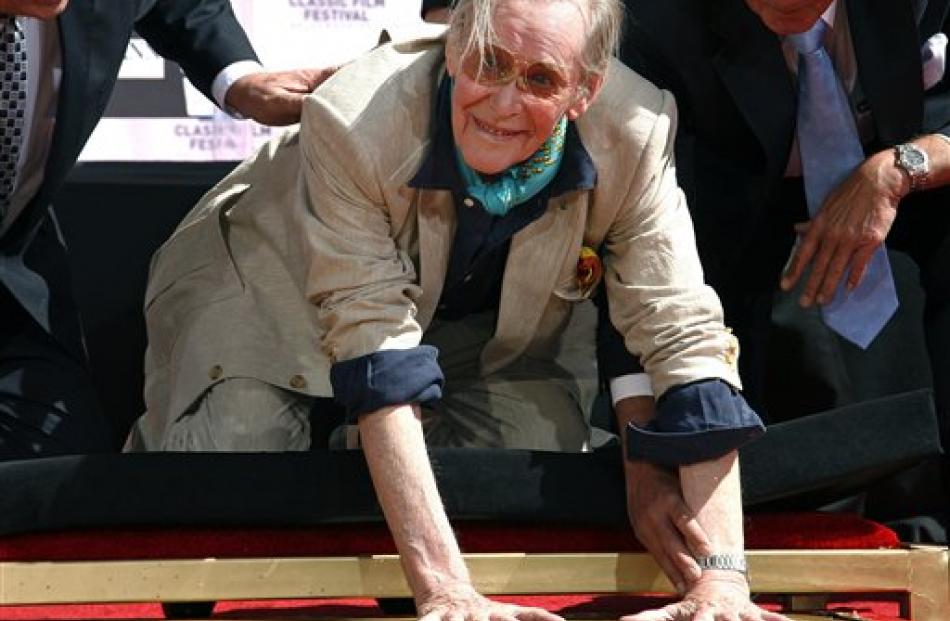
850,226
275,98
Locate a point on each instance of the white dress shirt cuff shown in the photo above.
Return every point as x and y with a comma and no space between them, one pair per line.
631,385
228,76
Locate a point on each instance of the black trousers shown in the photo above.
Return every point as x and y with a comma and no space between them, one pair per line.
48,405
793,365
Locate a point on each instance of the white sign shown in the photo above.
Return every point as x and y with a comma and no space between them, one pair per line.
179,124
141,63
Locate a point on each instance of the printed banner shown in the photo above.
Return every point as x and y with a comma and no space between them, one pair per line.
155,114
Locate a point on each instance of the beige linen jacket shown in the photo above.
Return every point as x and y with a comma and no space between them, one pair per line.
316,250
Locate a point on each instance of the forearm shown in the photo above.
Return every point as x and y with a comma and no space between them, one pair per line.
405,485
711,490
203,38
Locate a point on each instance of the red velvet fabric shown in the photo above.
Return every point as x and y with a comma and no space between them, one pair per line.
772,531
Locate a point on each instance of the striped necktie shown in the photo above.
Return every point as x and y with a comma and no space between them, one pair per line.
831,150
12,105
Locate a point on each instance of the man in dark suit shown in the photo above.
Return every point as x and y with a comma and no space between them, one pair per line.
734,72
737,154
59,63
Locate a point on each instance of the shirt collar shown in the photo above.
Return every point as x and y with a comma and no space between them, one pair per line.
439,172
830,13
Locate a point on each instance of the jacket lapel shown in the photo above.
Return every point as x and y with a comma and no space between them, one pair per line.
63,149
437,222
75,24
531,273
887,49
750,63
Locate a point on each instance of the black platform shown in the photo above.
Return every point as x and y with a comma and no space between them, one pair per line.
798,464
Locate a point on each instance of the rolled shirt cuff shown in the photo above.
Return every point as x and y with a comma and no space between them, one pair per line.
630,385
693,423
389,377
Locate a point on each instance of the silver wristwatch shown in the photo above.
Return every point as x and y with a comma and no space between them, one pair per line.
914,161
729,562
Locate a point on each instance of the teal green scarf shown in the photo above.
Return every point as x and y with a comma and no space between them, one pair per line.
520,182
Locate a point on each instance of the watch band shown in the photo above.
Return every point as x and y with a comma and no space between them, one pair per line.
727,562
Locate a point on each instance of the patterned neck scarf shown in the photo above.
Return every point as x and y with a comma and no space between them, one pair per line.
520,182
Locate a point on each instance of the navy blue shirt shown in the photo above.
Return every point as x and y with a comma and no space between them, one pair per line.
692,423
480,248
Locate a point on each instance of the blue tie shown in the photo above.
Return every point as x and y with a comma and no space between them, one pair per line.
831,150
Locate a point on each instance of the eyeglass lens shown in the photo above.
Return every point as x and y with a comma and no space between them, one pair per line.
496,65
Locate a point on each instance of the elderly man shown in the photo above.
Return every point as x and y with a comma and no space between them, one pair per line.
425,258
59,61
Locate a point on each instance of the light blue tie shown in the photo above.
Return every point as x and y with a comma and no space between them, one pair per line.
831,150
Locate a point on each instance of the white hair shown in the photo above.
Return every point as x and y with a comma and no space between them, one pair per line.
470,29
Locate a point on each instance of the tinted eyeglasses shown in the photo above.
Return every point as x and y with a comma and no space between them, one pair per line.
495,65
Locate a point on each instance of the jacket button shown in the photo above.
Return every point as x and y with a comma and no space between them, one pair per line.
215,372
468,202
298,382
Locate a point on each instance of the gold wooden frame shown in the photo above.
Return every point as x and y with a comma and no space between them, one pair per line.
920,571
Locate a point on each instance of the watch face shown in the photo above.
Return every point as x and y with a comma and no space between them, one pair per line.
914,158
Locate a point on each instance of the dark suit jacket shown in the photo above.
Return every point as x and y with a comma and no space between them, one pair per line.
737,111
203,36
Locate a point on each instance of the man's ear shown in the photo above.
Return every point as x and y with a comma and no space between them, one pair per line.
587,93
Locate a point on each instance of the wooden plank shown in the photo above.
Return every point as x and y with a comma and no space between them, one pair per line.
930,584
381,576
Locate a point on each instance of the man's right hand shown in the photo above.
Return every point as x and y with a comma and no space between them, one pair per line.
462,603
275,97
664,524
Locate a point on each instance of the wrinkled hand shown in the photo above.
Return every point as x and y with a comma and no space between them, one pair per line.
717,596
463,603
275,98
664,524
846,231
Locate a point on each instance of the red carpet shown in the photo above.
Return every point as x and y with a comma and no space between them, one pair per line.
776,531
793,531
571,606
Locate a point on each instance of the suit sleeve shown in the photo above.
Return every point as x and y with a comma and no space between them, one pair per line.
937,98
659,302
361,283
654,281
203,36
